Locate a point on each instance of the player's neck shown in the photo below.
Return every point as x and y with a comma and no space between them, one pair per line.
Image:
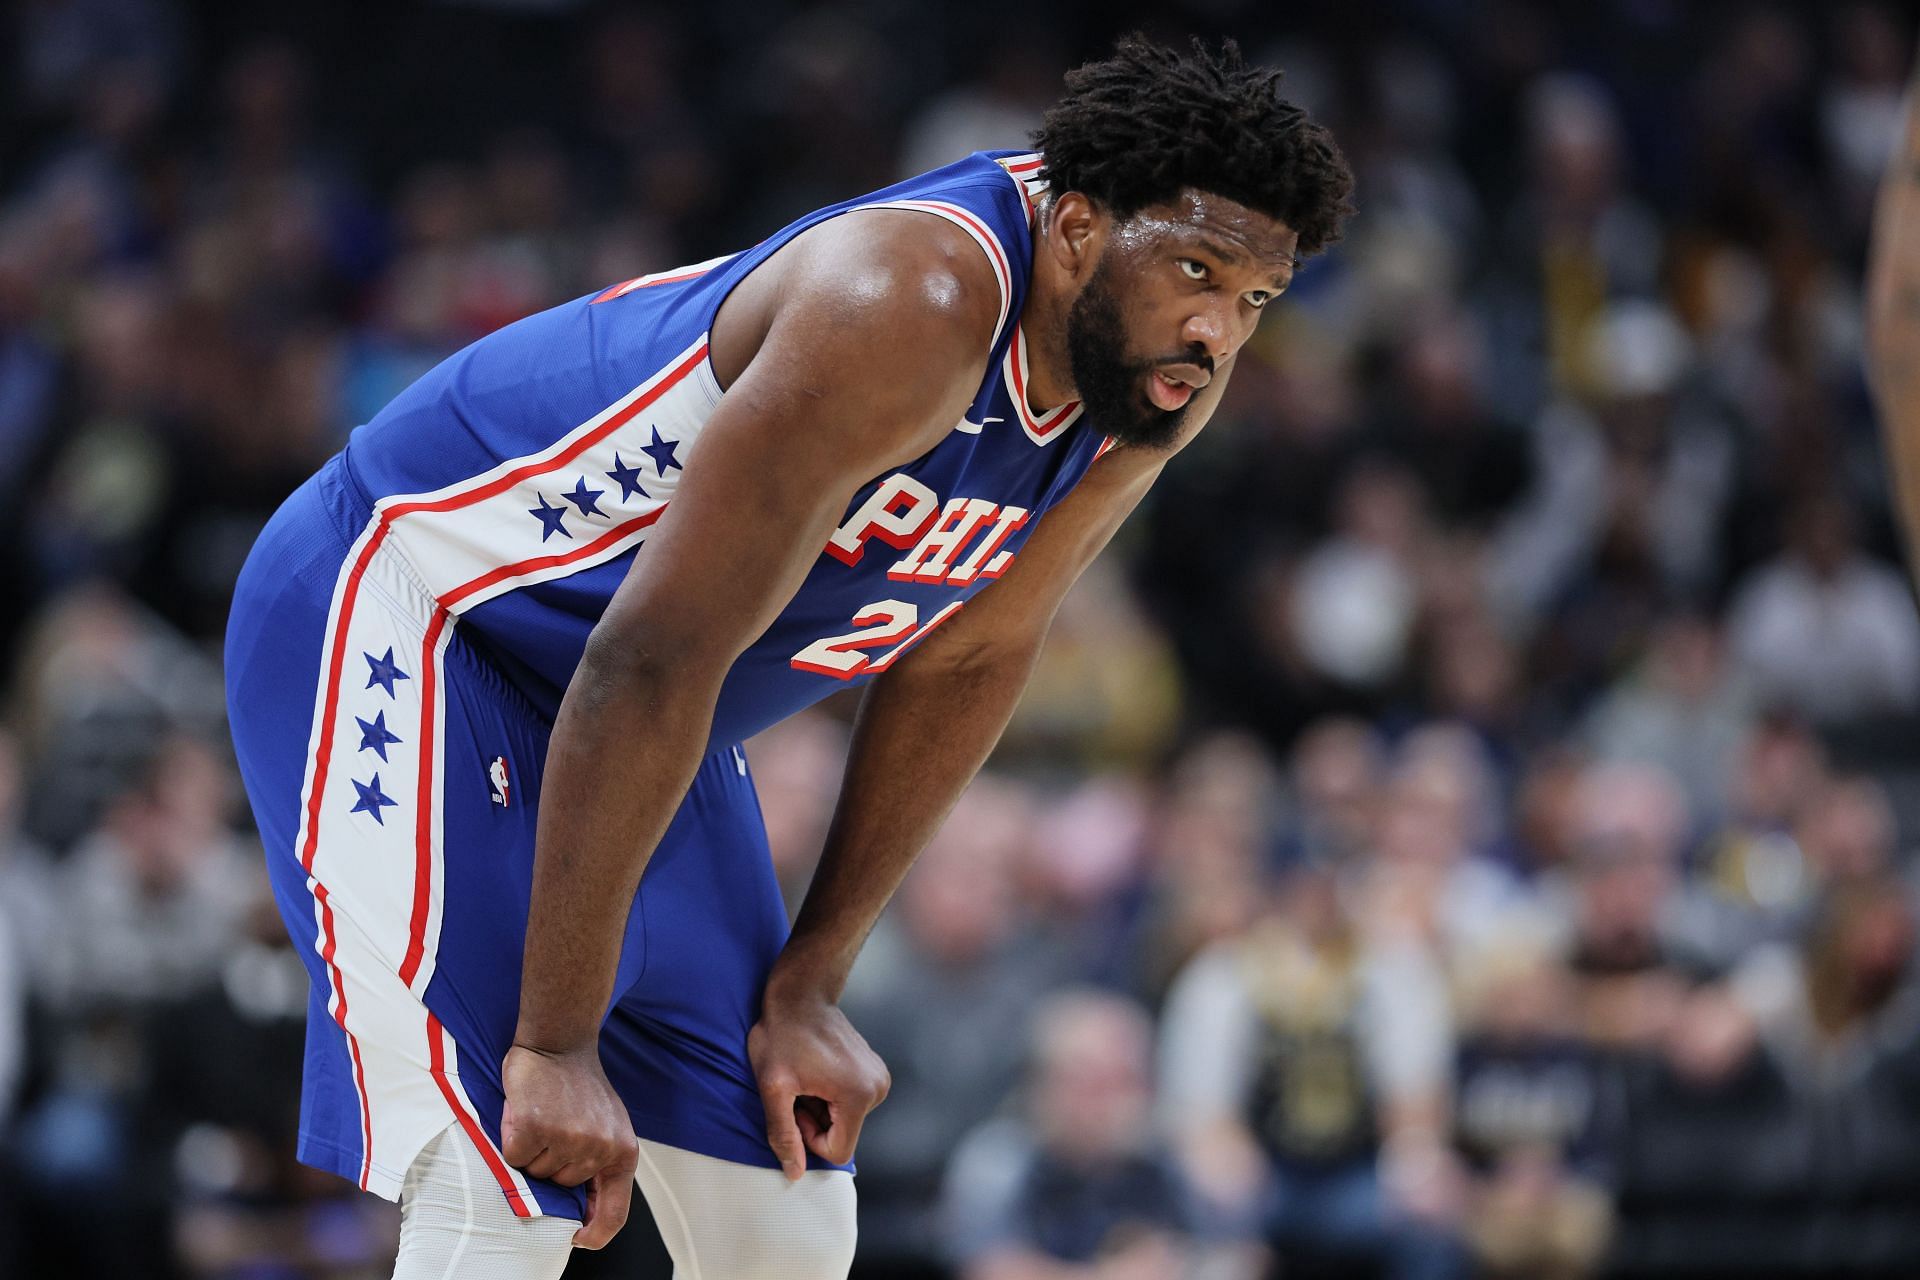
1043,323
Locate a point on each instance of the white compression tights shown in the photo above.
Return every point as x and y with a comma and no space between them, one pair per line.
720,1220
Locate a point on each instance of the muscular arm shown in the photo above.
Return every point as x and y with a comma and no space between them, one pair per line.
1893,320
943,708
814,413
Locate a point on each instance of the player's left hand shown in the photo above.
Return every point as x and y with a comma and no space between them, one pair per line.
818,1080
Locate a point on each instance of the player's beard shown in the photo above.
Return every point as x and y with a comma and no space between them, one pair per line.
1112,388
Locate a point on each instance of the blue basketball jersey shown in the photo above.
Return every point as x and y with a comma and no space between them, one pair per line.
516,480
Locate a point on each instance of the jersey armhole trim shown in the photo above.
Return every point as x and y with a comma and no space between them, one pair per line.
981,234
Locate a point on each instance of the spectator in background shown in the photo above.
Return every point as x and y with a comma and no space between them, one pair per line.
1356,596
1208,856
1337,776
1829,1010
149,905
1839,832
1305,1073
1824,630
99,683
1084,1189
1753,871
1530,1114
1640,939
1631,481
151,902
1680,709
1430,876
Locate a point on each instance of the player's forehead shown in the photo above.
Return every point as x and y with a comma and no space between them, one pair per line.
1215,224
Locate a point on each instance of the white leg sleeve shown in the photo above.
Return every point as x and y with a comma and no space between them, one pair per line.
726,1221
455,1224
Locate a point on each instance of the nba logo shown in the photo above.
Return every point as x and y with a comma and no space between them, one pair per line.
497,779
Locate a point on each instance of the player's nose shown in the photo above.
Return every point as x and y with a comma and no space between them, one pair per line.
1210,329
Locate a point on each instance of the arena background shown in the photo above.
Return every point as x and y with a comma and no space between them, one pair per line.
1462,827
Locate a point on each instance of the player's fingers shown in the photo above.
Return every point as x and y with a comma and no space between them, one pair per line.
517,1142
572,1173
545,1163
783,1132
811,1115
842,1135
609,1198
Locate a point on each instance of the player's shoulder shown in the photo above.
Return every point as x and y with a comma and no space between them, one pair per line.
955,241
915,277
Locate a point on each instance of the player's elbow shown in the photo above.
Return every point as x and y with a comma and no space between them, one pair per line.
967,659
627,667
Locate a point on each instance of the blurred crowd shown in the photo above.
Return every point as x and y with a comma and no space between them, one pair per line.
1459,830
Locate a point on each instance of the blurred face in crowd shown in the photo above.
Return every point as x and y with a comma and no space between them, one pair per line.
1090,1097
1780,766
1177,289
1631,822
1336,778
1425,820
1847,833
174,819
959,903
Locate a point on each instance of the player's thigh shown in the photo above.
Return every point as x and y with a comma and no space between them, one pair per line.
675,1044
743,1222
454,1222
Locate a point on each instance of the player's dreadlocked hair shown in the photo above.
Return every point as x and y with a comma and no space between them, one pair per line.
1134,129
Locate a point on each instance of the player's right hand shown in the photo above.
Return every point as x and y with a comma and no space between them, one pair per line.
563,1122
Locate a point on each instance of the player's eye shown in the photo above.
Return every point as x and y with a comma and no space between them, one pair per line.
1257,299
1194,270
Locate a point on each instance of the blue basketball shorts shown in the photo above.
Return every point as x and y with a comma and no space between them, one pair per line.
395,776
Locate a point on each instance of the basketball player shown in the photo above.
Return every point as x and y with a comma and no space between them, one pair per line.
489,670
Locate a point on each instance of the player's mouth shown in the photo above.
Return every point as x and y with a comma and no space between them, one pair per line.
1167,391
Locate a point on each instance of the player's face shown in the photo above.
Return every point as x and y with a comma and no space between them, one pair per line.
1178,289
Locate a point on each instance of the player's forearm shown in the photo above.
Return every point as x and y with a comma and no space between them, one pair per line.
607,795
1893,318
923,732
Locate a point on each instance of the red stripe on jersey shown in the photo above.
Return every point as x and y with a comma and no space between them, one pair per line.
538,563
500,484
331,706
437,1065
1057,418
329,946
626,287
423,803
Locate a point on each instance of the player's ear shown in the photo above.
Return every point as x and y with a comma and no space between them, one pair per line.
1075,231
